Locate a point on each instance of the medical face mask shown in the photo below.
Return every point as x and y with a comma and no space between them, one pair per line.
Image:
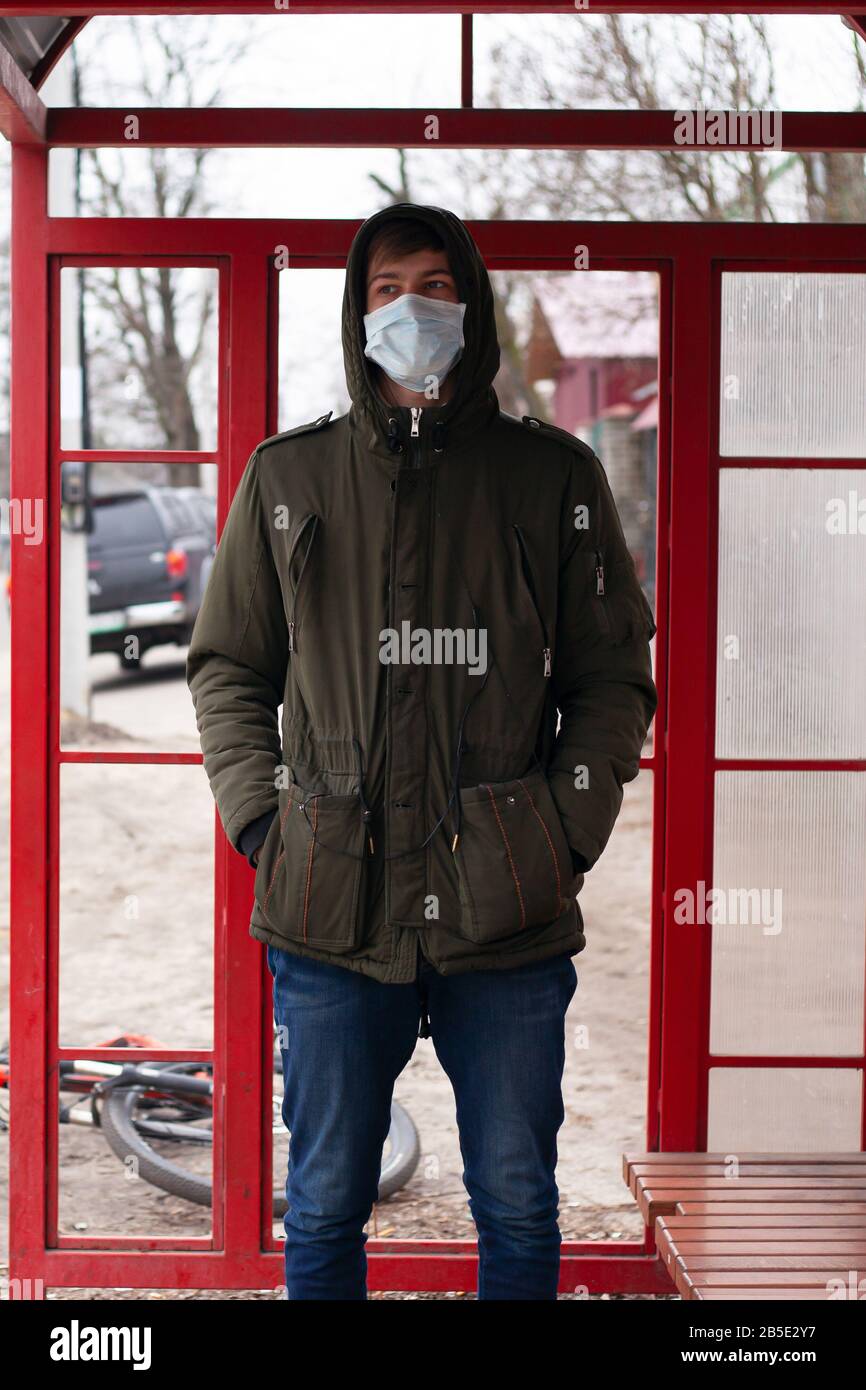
413,338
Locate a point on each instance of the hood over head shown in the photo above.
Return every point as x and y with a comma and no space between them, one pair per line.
474,399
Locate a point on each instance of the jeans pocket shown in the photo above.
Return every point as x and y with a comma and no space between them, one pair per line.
309,874
512,858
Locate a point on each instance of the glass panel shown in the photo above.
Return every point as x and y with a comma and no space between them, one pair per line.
119,1178
791,635
581,60
344,183
788,967
149,373
312,379
606,1030
281,60
783,1110
793,363
129,594
136,903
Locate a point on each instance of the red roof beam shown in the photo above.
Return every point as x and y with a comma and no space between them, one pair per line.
458,129
23,114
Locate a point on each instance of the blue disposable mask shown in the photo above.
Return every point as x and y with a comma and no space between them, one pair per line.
414,338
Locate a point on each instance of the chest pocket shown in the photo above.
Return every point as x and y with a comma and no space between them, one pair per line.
528,576
298,567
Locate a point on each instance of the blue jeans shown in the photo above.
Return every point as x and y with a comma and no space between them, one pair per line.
345,1038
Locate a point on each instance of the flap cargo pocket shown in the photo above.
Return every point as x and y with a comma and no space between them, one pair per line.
308,877
512,858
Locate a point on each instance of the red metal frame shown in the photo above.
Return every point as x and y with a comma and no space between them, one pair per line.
713,763
241,1251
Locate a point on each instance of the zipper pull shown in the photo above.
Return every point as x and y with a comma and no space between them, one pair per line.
599,573
415,412
547,661
291,637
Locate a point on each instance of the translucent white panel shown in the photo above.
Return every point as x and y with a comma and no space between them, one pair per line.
798,1110
793,365
788,960
791,643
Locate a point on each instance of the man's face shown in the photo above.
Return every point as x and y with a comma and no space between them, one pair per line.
420,272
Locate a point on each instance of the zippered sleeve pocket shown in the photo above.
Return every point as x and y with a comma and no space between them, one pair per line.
619,606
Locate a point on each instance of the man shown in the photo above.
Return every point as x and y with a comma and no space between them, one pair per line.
422,584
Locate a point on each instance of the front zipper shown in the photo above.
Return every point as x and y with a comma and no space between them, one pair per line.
529,576
310,517
415,433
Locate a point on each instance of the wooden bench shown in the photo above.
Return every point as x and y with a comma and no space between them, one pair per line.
773,1226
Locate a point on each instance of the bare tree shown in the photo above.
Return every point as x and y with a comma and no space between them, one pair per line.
151,325
715,62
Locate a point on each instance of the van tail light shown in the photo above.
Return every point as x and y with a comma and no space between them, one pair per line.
176,564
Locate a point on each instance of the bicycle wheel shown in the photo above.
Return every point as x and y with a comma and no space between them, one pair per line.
131,1133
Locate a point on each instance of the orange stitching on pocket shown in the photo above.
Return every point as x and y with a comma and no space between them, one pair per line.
310,863
280,857
510,859
550,847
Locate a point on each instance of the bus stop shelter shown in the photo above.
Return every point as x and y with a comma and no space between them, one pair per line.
766,753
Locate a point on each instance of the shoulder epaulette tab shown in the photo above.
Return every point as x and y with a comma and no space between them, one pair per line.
299,429
532,422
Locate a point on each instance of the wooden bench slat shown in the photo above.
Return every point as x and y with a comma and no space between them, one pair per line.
692,1250
749,1181
653,1202
702,1172
763,1156
840,1208
696,1159
756,1279
760,1295
750,1223
754,1262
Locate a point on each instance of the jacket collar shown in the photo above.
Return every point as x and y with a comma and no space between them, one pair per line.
441,431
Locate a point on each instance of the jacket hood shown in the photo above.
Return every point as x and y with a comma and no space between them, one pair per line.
474,400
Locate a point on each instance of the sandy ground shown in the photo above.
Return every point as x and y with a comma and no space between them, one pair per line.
136,933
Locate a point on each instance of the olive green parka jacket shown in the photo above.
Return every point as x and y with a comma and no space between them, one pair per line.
443,604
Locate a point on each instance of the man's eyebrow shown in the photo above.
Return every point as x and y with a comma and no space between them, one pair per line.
394,275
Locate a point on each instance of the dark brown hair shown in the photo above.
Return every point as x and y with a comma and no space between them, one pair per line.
401,236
